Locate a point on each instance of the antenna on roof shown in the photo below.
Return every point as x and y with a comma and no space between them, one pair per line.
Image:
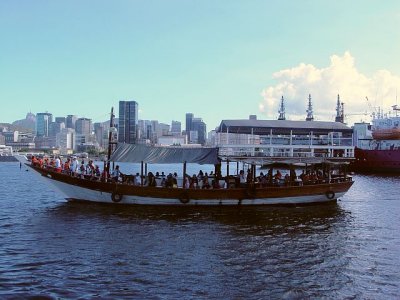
339,110
281,110
309,110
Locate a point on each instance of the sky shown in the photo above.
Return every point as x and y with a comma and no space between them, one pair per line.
224,59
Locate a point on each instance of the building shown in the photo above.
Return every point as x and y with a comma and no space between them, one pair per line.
171,140
196,130
83,126
200,128
176,128
65,140
70,121
128,122
10,136
43,121
285,139
188,128
55,128
101,131
44,142
145,132
61,120
84,138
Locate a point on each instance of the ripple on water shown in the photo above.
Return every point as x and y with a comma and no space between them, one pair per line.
67,250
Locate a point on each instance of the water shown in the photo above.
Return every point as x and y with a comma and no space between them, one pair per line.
52,248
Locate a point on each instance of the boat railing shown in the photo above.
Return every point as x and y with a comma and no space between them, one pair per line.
224,182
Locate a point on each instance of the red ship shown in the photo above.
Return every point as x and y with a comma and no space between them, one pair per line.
378,145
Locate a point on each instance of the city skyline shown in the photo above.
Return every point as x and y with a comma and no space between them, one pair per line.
219,60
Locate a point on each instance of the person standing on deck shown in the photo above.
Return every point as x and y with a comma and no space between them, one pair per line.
74,166
242,179
57,164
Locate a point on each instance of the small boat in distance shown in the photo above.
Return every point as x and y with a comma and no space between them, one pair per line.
322,180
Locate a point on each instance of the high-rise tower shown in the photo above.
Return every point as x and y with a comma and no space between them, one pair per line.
43,121
128,122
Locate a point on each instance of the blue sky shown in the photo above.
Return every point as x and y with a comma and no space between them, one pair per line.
215,59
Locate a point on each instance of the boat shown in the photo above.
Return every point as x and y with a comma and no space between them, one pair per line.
333,181
377,145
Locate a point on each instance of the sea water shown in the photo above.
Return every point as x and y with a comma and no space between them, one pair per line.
52,248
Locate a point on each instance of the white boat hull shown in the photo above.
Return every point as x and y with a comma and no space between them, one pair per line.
76,193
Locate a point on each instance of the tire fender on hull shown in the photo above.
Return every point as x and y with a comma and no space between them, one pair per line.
184,198
330,195
115,197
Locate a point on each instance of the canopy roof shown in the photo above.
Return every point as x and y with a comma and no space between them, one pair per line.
136,153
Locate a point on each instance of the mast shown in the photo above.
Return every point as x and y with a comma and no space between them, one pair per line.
309,110
282,110
110,140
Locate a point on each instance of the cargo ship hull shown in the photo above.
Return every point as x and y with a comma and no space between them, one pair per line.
376,161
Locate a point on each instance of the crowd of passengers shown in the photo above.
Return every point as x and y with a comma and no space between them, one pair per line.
202,180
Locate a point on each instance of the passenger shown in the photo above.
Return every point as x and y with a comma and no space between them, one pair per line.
287,179
187,182
116,174
151,180
200,175
260,177
157,175
249,177
242,178
137,179
278,175
57,165
162,175
97,172
74,166
194,182
163,181
34,161
175,180
67,169
169,182
264,181
82,169
206,183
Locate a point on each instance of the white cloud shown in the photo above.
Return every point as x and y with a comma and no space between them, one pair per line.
340,77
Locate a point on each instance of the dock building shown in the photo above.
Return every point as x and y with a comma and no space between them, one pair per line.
283,139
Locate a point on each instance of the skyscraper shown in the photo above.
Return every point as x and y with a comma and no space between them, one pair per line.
200,128
43,121
71,119
128,122
83,126
189,120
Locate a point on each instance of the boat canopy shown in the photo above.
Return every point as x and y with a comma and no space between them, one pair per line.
136,153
